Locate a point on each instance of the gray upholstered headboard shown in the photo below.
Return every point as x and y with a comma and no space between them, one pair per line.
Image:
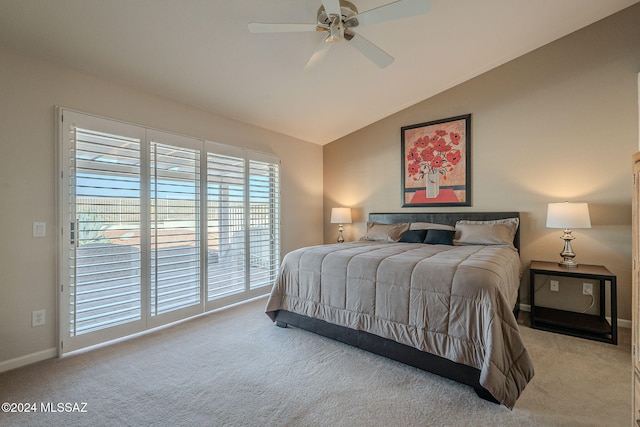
448,218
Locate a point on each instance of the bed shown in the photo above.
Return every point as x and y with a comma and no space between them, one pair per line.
448,306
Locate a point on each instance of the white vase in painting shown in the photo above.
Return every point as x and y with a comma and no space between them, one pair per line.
432,185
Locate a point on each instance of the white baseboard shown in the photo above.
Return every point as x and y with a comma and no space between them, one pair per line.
28,359
622,323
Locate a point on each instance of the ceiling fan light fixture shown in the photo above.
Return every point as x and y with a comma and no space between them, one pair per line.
348,35
339,18
332,38
351,22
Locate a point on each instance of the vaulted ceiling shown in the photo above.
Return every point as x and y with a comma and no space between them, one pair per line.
200,52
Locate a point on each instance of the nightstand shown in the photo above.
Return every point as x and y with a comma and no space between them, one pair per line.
590,326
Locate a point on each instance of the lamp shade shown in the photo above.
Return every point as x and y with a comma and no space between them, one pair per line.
341,216
568,215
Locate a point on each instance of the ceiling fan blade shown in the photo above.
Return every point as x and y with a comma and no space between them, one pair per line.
396,10
257,27
371,51
332,7
317,56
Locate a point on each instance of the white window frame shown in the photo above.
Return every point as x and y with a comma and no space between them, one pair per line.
88,121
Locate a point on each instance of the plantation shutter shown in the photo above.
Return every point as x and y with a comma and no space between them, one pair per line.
175,222
157,227
226,224
105,286
264,220
101,271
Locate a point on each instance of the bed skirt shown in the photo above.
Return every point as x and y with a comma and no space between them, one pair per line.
388,348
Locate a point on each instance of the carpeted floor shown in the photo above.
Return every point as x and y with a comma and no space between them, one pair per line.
236,368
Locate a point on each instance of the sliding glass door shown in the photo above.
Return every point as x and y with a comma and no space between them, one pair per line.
157,227
243,223
101,258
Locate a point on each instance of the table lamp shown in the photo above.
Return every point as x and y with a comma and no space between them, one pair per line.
340,216
567,216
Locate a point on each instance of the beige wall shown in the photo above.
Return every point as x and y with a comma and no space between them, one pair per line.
29,90
559,123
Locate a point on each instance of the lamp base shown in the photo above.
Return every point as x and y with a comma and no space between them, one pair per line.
567,253
568,264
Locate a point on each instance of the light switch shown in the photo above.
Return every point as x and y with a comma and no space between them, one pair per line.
39,229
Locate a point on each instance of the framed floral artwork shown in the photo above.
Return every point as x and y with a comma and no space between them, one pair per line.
436,163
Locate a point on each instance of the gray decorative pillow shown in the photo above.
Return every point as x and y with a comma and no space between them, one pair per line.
384,232
486,232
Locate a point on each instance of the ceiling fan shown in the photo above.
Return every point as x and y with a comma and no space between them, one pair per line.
339,18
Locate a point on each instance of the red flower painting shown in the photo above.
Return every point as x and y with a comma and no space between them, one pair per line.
433,154
436,162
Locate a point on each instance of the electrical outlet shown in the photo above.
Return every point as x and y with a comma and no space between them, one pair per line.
38,317
554,285
587,289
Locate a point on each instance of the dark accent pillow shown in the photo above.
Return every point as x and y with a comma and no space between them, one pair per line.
440,237
413,236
